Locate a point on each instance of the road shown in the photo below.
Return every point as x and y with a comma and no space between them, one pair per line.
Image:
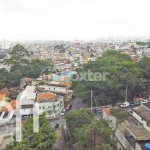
76,103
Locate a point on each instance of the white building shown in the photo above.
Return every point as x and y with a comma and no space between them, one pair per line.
50,103
55,89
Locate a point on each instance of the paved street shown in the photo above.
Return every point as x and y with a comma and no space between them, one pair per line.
76,103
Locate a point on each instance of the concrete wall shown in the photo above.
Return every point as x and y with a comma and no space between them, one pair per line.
111,120
141,121
124,142
121,138
56,89
48,107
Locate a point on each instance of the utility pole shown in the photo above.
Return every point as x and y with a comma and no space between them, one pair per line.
126,93
91,100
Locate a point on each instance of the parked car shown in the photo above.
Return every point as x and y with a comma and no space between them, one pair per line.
135,103
97,110
125,104
107,106
63,112
68,107
144,101
55,125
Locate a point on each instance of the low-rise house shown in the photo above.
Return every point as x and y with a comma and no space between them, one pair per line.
136,132
50,103
4,91
9,105
58,89
140,116
132,137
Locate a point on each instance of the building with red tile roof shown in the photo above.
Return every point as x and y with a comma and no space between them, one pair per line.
4,91
13,105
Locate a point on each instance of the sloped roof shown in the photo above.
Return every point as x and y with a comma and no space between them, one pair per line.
107,110
46,96
4,91
143,112
66,84
139,132
13,105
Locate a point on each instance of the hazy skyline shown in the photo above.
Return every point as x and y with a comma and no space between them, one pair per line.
67,19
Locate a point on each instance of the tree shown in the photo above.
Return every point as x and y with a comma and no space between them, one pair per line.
43,140
94,136
122,74
2,56
18,55
42,82
76,118
119,113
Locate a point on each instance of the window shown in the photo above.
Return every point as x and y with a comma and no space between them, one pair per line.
54,88
40,107
58,105
43,107
49,88
141,119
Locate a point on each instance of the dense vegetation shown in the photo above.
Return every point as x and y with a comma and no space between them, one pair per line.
87,133
21,67
122,73
43,140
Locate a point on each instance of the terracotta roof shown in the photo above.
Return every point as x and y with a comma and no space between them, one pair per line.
139,132
13,105
4,91
46,96
107,110
2,96
66,84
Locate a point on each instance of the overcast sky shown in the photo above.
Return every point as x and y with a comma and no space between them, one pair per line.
70,19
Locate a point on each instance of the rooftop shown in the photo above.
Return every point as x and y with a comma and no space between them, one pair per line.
107,110
45,96
147,105
4,91
143,112
28,93
138,132
50,99
12,104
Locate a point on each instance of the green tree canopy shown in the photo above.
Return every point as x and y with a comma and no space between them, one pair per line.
43,140
119,113
18,55
42,82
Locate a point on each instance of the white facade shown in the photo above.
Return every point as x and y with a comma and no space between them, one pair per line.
55,89
52,107
143,122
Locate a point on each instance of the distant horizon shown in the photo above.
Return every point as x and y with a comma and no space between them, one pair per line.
76,39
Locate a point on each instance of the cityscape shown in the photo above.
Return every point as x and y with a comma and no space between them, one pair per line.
74,75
